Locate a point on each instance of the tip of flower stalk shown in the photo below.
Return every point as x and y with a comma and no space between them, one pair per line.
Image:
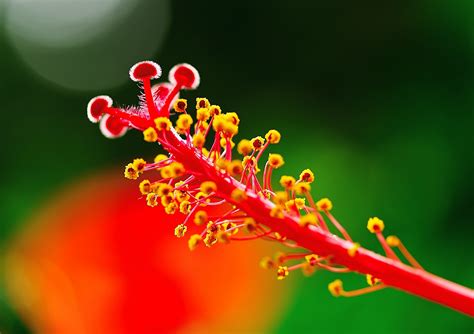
112,127
97,106
185,75
324,204
375,225
336,288
393,241
273,136
307,176
371,280
145,70
275,160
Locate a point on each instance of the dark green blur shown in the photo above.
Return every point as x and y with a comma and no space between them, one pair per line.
376,97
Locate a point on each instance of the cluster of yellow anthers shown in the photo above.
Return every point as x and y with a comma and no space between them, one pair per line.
178,190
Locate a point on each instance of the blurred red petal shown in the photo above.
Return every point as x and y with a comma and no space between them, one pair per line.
96,259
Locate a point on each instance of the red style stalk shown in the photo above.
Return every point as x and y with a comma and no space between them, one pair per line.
193,177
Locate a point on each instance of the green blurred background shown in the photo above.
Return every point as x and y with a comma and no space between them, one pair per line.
375,96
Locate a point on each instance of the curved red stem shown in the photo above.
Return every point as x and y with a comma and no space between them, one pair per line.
392,273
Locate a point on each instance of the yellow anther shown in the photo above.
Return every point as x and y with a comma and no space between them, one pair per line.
324,204
199,140
177,169
212,227
131,172
171,208
230,129
145,187
180,105
203,114
273,136
180,230
375,225
150,135
267,263
300,203
164,189
166,172
185,207
244,147
215,110
200,196
371,280
166,200
194,241
151,200
393,241
257,143
163,124
312,259
295,204
202,102
229,228
282,272
208,187
275,160
238,195
160,157
353,250
180,196
233,118
287,182
184,122
200,217
223,237
139,164
307,176
250,225
336,288
234,227
218,123
235,168
308,219
276,212
280,198
302,188
210,239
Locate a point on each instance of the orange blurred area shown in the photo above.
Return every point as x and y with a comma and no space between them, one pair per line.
96,259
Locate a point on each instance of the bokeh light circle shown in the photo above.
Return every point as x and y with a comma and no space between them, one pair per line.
85,44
